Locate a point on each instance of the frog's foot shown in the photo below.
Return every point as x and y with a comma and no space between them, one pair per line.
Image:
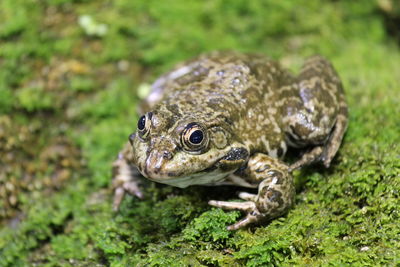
124,181
249,207
335,139
325,153
275,192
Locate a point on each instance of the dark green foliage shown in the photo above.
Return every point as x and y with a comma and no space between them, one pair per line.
68,102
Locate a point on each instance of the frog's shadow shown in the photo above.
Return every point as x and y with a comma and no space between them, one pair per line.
301,176
200,194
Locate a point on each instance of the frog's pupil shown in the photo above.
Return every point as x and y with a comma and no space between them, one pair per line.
141,123
196,137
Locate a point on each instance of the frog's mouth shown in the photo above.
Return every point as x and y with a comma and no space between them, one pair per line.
207,176
182,172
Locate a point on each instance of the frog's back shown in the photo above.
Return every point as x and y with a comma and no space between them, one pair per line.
228,74
237,89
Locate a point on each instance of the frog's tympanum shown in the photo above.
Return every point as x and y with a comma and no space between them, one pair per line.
229,118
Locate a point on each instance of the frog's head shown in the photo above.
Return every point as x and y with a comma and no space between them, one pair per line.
185,150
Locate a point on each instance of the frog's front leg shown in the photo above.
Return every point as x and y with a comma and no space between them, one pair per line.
275,191
125,177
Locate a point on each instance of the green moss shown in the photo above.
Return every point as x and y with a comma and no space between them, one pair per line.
6,100
210,226
34,98
62,87
83,84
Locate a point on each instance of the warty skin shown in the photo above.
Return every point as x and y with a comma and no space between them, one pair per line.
229,118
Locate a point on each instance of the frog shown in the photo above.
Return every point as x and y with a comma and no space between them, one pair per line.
228,118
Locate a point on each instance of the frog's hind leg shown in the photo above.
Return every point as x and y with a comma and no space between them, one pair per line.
319,112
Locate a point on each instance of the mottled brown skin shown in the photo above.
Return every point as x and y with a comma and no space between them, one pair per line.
249,110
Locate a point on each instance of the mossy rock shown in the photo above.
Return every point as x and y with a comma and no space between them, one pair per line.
68,102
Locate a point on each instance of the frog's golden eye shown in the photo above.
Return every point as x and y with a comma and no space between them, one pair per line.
143,125
194,137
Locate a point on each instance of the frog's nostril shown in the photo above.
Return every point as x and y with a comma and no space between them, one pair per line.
157,164
167,155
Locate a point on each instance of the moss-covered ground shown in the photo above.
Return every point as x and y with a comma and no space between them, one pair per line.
69,73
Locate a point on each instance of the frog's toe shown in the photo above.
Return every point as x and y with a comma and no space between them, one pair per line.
252,217
247,196
326,160
118,197
246,206
130,187
327,156
315,154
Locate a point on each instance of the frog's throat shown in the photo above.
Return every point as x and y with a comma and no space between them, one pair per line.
211,175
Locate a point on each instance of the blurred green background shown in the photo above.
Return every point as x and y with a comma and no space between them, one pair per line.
69,73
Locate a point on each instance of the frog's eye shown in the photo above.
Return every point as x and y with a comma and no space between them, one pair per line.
194,137
143,125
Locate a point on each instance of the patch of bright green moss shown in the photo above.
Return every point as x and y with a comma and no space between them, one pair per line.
210,226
